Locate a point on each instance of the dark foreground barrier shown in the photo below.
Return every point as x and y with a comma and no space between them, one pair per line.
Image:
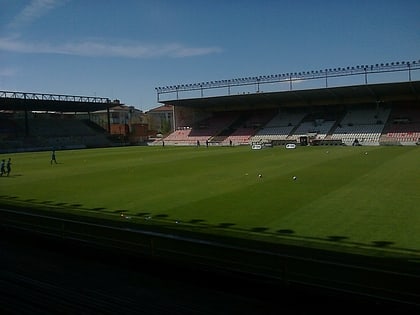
394,280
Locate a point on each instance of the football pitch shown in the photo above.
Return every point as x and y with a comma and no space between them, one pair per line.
347,197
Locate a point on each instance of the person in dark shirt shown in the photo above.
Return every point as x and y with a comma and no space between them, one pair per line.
2,167
53,157
8,166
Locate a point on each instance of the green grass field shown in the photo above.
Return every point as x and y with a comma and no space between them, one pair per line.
347,196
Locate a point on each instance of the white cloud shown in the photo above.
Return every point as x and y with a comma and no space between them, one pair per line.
33,11
36,9
98,48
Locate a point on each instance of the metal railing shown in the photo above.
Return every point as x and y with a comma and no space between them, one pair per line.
53,97
293,77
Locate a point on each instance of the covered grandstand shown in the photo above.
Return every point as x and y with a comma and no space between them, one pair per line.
367,114
35,121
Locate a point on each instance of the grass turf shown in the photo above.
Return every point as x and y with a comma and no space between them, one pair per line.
349,196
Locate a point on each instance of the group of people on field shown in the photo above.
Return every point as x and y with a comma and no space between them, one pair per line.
5,167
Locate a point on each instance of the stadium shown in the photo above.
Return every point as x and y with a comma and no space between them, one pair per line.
296,181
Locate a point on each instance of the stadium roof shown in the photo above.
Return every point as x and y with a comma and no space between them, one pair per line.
366,93
51,102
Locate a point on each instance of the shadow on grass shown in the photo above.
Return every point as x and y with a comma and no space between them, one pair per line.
285,231
99,209
142,214
382,243
196,221
336,238
120,211
11,176
47,202
225,225
8,197
60,204
259,229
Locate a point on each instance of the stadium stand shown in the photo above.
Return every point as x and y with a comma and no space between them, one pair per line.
222,129
9,134
362,125
46,131
8,128
370,114
316,126
247,126
403,127
280,126
336,115
203,130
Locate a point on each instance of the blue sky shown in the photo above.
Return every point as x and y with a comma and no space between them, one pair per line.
124,49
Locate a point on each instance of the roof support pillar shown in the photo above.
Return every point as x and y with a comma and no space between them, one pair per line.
26,116
109,119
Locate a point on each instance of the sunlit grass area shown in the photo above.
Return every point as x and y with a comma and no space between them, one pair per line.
354,196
